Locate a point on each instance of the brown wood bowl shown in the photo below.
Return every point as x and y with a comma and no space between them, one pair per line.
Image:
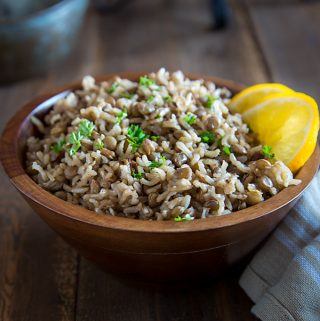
164,250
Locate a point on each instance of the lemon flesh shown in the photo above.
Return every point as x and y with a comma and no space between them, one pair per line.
254,95
289,123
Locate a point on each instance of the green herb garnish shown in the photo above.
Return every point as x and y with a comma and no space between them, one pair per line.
86,128
136,136
75,141
207,137
226,150
267,151
146,82
155,164
127,95
190,118
75,138
58,147
121,116
137,175
210,101
167,99
113,87
187,217
73,149
150,99
154,138
99,145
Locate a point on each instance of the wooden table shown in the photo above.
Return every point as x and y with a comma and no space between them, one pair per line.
41,277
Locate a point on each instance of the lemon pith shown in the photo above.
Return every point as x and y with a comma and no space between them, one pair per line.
289,123
253,95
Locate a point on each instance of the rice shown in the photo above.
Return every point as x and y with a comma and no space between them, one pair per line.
163,148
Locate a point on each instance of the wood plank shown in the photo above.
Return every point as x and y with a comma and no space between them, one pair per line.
146,36
151,34
38,271
103,297
290,38
274,2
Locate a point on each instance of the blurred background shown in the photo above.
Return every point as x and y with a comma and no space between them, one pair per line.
47,43
248,41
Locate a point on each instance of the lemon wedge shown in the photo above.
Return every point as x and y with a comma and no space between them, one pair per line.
254,95
289,123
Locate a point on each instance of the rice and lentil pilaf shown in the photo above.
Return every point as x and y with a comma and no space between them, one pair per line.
165,147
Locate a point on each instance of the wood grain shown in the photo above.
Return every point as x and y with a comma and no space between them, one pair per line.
103,297
145,36
290,38
32,261
177,36
38,271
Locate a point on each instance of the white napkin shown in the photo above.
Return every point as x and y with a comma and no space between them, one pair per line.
283,279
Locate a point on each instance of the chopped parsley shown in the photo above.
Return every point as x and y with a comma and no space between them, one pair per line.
75,141
154,138
99,145
113,87
267,151
137,175
121,116
167,99
207,137
136,136
127,95
210,101
75,138
73,149
86,128
58,147
146,82
150,99
226,150
159,163
190,118
187,217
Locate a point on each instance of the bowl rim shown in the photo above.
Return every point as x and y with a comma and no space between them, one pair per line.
58,5
9,157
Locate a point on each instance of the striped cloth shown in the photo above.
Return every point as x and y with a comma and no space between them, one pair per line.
283,279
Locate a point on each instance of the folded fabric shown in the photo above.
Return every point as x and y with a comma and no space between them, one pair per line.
283,279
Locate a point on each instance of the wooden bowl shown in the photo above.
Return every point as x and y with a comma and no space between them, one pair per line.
164,250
